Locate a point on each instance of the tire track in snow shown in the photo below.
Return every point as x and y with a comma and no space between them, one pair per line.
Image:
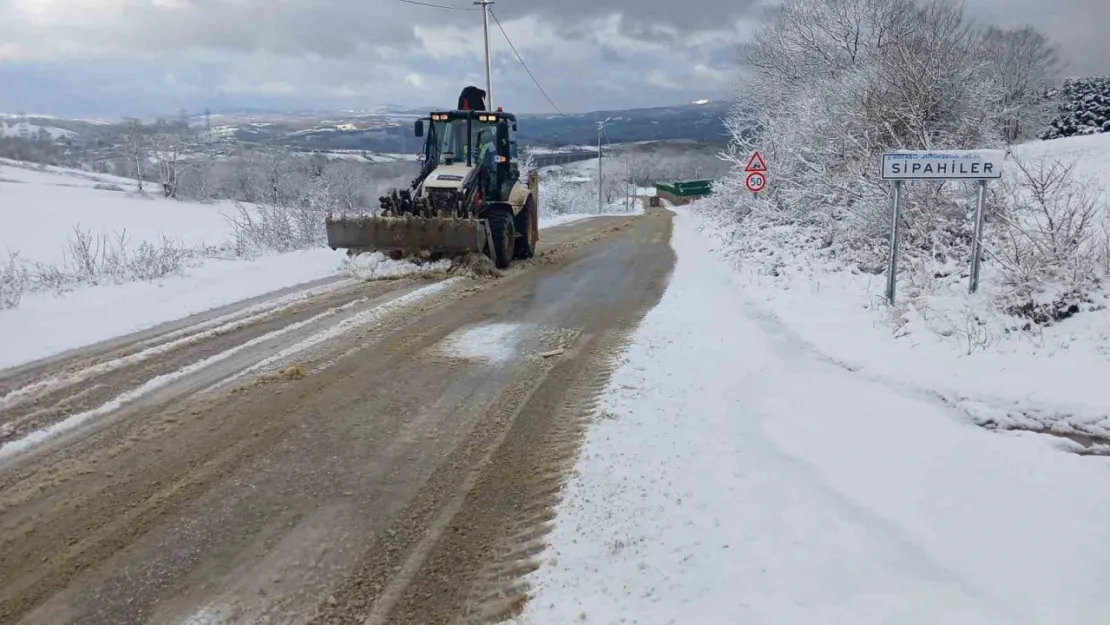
163,344
500,590
37,437
346,325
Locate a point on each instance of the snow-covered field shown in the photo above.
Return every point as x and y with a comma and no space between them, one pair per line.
45,324
739,471
41,206
39,210
562,150
1050,378
586,169
1090,153
364,156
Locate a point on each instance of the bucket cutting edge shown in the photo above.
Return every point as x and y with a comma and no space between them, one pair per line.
407,234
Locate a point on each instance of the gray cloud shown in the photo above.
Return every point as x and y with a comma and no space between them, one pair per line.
1078,26
350,53
640,14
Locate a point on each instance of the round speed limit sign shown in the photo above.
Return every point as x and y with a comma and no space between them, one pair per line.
755,182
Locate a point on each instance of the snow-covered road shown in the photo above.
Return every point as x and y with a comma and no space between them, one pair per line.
263,462
736,475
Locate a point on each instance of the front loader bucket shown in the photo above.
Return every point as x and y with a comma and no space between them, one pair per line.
446,235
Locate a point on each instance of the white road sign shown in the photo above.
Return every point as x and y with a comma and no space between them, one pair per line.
943,165
755,181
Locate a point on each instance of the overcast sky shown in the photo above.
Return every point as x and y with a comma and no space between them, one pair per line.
117,57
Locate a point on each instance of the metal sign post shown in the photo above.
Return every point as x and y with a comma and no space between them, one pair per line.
977,242
892,262
908,165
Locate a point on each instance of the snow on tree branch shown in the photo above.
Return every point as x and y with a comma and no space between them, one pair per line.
1084,108
833,84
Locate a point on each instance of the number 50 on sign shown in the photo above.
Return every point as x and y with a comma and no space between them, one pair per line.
755,182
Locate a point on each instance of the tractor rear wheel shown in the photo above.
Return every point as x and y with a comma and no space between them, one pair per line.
525,246
501,228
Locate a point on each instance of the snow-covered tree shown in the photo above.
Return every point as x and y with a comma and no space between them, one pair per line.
349,183
833,84
1084,108
166,145
32,150
564,193
1024,64
526,163
136,149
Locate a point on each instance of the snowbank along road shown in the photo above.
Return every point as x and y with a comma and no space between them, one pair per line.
353,452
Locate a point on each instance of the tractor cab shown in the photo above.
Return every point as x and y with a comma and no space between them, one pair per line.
468,142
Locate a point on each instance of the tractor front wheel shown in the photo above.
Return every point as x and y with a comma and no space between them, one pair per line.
501,228
525,246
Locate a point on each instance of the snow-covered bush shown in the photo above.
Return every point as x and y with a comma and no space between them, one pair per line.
565,193
278,227
283,198
93,259
1084,108
13,281
526,162
110,258
654,163
1050,239
36,149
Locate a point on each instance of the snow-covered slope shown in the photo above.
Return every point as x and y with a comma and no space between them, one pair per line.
736,473
27,129
998,370
1090,153
45,324
41,208
790,449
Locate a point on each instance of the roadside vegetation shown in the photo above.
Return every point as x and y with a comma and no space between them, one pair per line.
833,84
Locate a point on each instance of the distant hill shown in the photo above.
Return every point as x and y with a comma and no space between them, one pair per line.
694,122
389,128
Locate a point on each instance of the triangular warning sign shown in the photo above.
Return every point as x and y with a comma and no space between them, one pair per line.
756,163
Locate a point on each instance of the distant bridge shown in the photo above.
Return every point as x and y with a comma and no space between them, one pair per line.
562,158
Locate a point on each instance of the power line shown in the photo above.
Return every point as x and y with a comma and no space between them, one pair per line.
507,39
438,6
525,65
